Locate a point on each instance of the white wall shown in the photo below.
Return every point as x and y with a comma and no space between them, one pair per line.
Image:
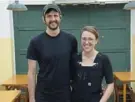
6,20
32,2
133,21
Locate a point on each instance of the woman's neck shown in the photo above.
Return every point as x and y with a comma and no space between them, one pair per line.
90,54
88,58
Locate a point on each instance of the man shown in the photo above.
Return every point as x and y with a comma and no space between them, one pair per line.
53,50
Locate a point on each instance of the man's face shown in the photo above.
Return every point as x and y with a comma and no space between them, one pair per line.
52,20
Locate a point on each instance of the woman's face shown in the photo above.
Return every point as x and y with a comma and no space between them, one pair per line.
88,41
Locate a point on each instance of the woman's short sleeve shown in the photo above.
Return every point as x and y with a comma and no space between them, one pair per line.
107,70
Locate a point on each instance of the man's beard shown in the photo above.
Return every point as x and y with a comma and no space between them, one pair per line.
53,28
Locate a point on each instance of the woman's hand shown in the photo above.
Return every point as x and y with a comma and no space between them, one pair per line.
107,93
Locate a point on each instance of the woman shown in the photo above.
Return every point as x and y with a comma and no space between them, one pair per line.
91,67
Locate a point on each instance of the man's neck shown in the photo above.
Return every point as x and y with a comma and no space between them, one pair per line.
52,33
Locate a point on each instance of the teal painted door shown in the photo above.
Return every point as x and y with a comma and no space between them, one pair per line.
112,22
